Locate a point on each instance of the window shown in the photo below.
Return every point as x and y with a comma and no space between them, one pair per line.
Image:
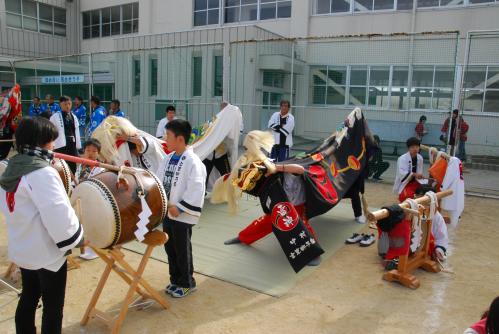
218,76
369,5
328,85
34,16
379,82
206,12
197,75
443,3
111,21
481,89
273,79
136,76
332,6
153,75
358,85
398,90
432,87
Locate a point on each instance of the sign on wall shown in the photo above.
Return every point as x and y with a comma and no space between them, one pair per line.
64,79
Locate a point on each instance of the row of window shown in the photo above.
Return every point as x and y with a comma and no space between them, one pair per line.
35,16
111,21
208,12
384,87
387,87
345,6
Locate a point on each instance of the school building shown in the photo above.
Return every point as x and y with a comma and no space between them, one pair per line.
396,59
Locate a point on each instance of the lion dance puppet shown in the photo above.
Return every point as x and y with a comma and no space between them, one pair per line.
298,189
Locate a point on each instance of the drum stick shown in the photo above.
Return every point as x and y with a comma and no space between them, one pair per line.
88,162
429,149
383,213
7,140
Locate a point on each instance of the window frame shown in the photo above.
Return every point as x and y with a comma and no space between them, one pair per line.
134,21
38,19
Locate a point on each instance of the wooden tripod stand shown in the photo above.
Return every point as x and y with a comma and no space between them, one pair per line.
114,259
420,259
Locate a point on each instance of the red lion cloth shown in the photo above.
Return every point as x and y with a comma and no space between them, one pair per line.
11,112
262,226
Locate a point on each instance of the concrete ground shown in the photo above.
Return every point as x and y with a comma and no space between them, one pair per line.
345,294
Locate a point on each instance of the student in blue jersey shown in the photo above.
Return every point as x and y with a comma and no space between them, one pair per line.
98,115
183,175
80,111
35,109
50,108
114,109
41,225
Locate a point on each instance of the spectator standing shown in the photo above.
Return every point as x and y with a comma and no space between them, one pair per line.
114,109
80,111
170,116
420,129
35,109
282,124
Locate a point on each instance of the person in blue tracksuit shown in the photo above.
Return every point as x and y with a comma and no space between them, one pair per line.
80,111
99,113
35,109
114,109
51,107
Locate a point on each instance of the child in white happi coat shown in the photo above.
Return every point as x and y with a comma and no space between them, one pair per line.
183,176
41,224
91,151
409,170
438,228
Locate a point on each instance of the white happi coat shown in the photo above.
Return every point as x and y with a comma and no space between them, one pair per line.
439,230
57,120
187,185
404,171
43,225
453,180
149,158
286,130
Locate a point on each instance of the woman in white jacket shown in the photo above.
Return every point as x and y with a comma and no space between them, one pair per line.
41,224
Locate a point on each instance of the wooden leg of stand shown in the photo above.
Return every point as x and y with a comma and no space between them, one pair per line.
12,267
72,263
98,290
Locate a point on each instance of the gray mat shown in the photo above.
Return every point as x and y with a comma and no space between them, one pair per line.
262,267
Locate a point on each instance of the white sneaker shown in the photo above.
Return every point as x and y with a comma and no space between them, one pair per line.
360,219
367,240
89,254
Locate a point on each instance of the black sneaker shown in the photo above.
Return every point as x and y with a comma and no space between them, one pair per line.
355,238
367,240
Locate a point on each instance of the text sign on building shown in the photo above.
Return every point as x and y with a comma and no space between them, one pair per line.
64,79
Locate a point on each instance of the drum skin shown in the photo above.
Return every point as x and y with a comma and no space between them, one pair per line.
109,214
60,166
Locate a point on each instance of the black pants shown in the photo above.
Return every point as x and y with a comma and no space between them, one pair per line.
179,252
279,153
51,287
222,164
69,149
356,204
375,170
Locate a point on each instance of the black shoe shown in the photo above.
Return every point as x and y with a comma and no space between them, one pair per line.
232,241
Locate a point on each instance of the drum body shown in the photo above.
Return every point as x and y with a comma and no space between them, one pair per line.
109,214
60,166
